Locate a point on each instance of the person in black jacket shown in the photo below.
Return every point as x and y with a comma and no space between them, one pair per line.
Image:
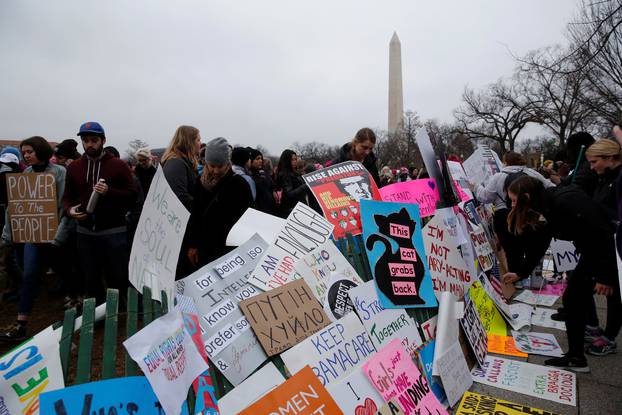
179,165
361,149
264,184
222,198
581,176
567,213
294,189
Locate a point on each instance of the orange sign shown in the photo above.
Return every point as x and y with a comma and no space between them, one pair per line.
302,394
503,345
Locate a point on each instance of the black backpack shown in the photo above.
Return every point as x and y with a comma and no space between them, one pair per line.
508,181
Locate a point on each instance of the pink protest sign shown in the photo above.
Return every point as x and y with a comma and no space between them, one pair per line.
394,375
423,192
554,289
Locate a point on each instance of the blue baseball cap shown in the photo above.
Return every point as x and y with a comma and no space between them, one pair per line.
91,127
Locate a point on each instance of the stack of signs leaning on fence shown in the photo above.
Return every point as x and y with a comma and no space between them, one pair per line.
303,232
217,288
169,359
32,207
394,244
339,189
28,371
282,317
130,395
384,324
332,352
394,375
157,241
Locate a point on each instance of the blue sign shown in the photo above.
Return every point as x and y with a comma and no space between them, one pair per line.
394,244
120,396
426,358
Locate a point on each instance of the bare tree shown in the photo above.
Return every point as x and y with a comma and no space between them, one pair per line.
316,152
133,146
496,114
400,148
450,137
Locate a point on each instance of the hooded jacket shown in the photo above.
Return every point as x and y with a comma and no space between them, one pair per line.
345,154
111,208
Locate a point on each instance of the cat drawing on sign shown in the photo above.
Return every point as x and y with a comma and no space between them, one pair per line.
398,274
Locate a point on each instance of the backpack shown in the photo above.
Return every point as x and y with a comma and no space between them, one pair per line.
508,181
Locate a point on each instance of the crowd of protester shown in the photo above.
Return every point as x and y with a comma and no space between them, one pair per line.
100,198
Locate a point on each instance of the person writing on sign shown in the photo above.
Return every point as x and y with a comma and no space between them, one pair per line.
361,149
566,213
99,191
38,257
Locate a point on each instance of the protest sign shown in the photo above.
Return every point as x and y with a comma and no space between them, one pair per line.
254,387
131,395
495,295
544,344
303,232
425,360
454,373
28,371
384,324
553,289
302,394
534,380
395,375
504,345
316,267
157,241
227,335
339,189
483,250
565,255
32,207
401,275
447,332
448,269
429,328
355,395
474,330
332,352
490,317
542,317
423,192
533,298
337,302
284,316
521,315
459,176
429,155
167,356
254,222
476,404
481,165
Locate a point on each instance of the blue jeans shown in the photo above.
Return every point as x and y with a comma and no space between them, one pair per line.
37,259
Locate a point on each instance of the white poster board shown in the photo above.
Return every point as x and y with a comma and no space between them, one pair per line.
544,344
454,373
354,394
254,222
565,255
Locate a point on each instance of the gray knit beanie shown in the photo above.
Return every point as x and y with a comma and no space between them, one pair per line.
218,151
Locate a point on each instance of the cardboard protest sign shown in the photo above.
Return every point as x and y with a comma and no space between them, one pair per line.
254,222
332,352
339,189
481,165
425,361
542,317
447,332
474,331
157,241
227,336
485,254
167,356
32,207
504,345
454,373
28,371
254,387
131,395
448,269
394,245
384,324
533,298
544,344
540,381
354,394
302,394
490,317
303,232
284,316
565,255
395,375
475,404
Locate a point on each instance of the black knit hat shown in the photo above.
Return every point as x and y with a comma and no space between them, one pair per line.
254,153
68,149
240,155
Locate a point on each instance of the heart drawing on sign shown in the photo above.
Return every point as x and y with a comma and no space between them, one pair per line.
368,408
432,184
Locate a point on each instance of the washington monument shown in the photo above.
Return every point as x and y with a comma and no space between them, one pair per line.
396,99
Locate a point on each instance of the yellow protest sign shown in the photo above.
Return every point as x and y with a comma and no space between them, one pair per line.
474,403
488,313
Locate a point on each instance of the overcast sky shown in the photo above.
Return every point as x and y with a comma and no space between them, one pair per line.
256,72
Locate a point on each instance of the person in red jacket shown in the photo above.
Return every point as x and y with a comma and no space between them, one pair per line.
102,243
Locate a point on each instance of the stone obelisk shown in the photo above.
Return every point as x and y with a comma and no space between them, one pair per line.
396,99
